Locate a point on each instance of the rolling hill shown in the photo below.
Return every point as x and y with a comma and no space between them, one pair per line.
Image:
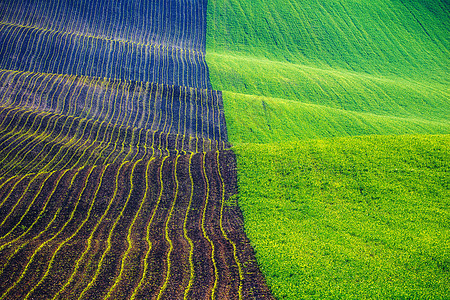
338,112
115,178
224,149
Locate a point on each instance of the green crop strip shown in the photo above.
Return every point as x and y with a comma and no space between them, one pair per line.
185,234
339,56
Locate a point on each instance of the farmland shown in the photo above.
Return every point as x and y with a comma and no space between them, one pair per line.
338,113
388,59
116,181
54,121
125,40
158,228
356,218
224,149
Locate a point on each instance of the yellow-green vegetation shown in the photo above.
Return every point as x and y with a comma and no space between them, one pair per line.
350,218
258,119
330,106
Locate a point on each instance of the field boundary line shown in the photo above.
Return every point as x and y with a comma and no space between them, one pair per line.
235,256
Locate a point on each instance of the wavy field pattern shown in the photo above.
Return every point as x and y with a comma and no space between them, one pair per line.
161,228
157,41
339,115
80,120
383,60
114,175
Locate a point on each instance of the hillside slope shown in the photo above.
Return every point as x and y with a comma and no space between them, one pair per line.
364,215
350,218
388,58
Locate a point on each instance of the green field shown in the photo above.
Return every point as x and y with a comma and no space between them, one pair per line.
338,112
386,58
259,119
350,218
390,38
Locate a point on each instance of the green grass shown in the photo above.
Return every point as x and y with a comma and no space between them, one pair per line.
350,218
258,119
389,37
330,106
387,58
337,89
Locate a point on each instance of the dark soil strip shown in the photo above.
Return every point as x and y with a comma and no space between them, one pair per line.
179,258
182,110
46,273
203,266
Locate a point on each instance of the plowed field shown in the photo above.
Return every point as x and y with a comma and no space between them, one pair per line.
115,178
162,228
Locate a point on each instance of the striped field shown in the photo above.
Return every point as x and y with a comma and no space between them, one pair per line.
164,228
115,178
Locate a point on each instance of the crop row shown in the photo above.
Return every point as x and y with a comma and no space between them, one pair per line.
36,49
33,141
170,109
179,24
157,228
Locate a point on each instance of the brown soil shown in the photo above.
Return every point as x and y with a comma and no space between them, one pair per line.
215,272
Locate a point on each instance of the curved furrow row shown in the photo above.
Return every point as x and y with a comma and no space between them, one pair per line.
94,233
63,142
166,108
83,120
156,270
163,228
48,51
178,24
131,259
31,258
